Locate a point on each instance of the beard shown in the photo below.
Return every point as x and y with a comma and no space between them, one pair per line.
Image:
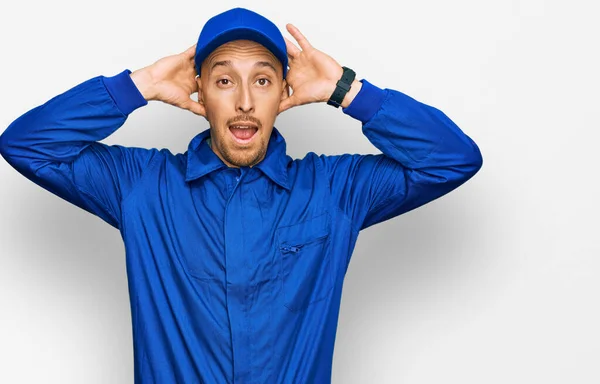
240,157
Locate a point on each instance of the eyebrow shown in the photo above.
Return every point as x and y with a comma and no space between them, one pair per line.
227,63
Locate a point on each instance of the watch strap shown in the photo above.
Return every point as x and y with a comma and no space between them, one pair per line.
342,87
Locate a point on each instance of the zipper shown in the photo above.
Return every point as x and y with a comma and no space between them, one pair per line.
285,248
290,248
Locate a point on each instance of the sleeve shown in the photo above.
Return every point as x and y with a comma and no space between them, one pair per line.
424,156
56,146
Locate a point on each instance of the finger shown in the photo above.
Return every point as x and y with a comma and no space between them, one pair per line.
302,41
191,51
194,107
286,104
292,50
195,87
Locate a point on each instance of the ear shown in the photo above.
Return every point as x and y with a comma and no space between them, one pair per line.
201,97
285,91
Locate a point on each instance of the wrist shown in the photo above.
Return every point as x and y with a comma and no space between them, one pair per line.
355,87
351,94
143,80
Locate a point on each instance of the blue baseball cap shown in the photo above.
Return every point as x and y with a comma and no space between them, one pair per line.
240,24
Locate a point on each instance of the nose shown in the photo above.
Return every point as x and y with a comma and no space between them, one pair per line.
244,102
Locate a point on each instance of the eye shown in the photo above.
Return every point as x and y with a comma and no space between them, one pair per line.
220,80
265,79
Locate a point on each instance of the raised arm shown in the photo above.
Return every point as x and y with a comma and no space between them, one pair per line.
424,154
56,145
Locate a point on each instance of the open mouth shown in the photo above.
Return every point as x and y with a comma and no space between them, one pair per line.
243,133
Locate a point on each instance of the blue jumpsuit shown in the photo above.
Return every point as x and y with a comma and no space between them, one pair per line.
235,274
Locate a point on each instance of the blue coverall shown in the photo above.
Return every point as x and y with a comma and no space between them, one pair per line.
235,274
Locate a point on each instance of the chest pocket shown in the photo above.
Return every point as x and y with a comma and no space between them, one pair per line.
307,269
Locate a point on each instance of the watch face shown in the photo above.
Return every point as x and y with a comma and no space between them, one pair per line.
348,75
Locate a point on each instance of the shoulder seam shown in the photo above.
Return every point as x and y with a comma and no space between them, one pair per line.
344,214
100,203
141,180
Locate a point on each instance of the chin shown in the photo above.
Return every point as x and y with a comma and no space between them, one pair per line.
241,152
246,161
244,155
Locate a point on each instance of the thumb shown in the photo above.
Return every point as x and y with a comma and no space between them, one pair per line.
287,103
194,107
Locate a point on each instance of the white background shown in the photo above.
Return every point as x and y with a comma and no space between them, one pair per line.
496,282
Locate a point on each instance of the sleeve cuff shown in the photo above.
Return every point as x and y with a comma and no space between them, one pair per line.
124,92
366,102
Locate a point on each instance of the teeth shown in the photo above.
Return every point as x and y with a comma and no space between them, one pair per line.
241,126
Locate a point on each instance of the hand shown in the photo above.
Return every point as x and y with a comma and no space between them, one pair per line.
312,75
172,80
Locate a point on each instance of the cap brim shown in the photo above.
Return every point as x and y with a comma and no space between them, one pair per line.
242,33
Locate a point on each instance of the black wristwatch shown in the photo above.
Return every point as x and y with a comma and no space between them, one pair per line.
343,86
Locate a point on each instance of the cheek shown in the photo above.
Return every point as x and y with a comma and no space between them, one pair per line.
215,112
273,107
267,104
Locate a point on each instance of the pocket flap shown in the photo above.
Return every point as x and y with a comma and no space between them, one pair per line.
304,231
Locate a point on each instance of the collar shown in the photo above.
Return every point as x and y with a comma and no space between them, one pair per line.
201,159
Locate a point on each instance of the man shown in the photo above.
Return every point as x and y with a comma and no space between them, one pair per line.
235,252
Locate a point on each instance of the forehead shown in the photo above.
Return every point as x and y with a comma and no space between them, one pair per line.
238,50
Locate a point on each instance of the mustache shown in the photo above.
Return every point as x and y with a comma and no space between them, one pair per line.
245,118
